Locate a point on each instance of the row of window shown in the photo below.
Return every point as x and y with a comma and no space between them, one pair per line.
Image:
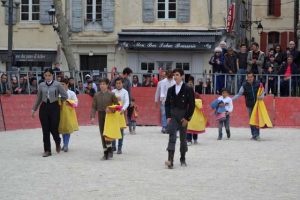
165,65
166,9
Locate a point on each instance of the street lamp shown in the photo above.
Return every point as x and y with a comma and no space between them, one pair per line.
11,5
52,17
247,25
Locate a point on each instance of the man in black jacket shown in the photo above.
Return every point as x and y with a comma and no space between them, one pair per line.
179,105
249,89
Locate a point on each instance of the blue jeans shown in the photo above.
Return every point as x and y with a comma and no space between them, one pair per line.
220,82
230,83
240,78
254,129
163,115
66,139
120,141
226,123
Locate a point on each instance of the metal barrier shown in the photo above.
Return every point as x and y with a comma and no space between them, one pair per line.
276,85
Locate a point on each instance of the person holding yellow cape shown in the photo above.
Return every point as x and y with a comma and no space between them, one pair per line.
123,98
68,120
249,89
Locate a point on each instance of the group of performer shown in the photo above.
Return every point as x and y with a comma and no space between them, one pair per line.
181,110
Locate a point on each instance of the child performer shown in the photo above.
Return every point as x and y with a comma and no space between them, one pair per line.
198,122
68,119
132,116
223,106
101,101
123,97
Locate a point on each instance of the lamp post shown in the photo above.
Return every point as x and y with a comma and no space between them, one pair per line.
52,17
11,5
248,26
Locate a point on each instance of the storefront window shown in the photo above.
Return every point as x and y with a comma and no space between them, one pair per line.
94,11
166,9
183,66
145,66
30,10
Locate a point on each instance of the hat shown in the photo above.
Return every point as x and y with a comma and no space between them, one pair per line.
218,49
87,76
223,42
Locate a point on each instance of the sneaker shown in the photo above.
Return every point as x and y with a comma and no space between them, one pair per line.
169,164
58,148
189,143
195,142
228,135
219,138
163,130
119,151
66,149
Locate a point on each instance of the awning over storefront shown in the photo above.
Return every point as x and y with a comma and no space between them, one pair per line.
30,55
169,40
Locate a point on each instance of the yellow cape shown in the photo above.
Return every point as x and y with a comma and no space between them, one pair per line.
113,124
260,117
68,120
198,122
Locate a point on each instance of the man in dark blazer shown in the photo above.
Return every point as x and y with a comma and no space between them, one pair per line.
179,105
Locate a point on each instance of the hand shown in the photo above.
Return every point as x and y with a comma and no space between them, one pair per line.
230,72
92,120
33,114
168,120
221,104
184,122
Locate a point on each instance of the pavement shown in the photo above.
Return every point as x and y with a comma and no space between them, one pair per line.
238,168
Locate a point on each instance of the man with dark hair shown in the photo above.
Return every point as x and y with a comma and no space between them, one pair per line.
255,59
241,64
249,89
179,105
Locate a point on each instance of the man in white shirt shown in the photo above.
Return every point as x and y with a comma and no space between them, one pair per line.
158,103
166,83
122,96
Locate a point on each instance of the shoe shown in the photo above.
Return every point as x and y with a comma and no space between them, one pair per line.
105,156
182,160
169,162
189,143
114,148
228,135
46,154
219,138
195,142
58,148
65,149
163,130
119,151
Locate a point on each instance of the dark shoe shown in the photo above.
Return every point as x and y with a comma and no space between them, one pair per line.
58,148
228,134
219,138
114,148
169,162
163,130
182,160
105,156
119,151
46,154
110,152
65,149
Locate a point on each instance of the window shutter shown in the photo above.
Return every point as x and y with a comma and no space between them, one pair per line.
76,24
148,11
263,41
15,14
183,8
45,5
291,36
277,8
108,14
283,40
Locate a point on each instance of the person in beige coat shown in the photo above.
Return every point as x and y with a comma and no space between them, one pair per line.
255,59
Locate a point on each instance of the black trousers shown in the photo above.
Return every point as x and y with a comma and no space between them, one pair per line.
49,115
173,126
101,118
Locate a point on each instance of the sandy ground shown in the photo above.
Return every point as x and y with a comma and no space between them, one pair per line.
238,168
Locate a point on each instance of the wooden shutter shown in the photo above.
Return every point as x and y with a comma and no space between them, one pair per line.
76,24
263,41
45,5
148,11
283,40
184,10
277,8
291,36
108,15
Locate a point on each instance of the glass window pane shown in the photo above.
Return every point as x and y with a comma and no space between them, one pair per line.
161,1
172,14
25,2
172,6
89,2
36,8
161,6
89,9
172,1
35,16
24,8
143,66
98,9
35,1
179,65
98,17
24,16
186,66
98,1
89,17
161,14
151,66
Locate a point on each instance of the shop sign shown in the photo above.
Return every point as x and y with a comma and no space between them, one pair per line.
166,45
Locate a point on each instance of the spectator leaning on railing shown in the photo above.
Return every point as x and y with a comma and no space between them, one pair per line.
241,64
289,69
255,59
4,87
230,65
